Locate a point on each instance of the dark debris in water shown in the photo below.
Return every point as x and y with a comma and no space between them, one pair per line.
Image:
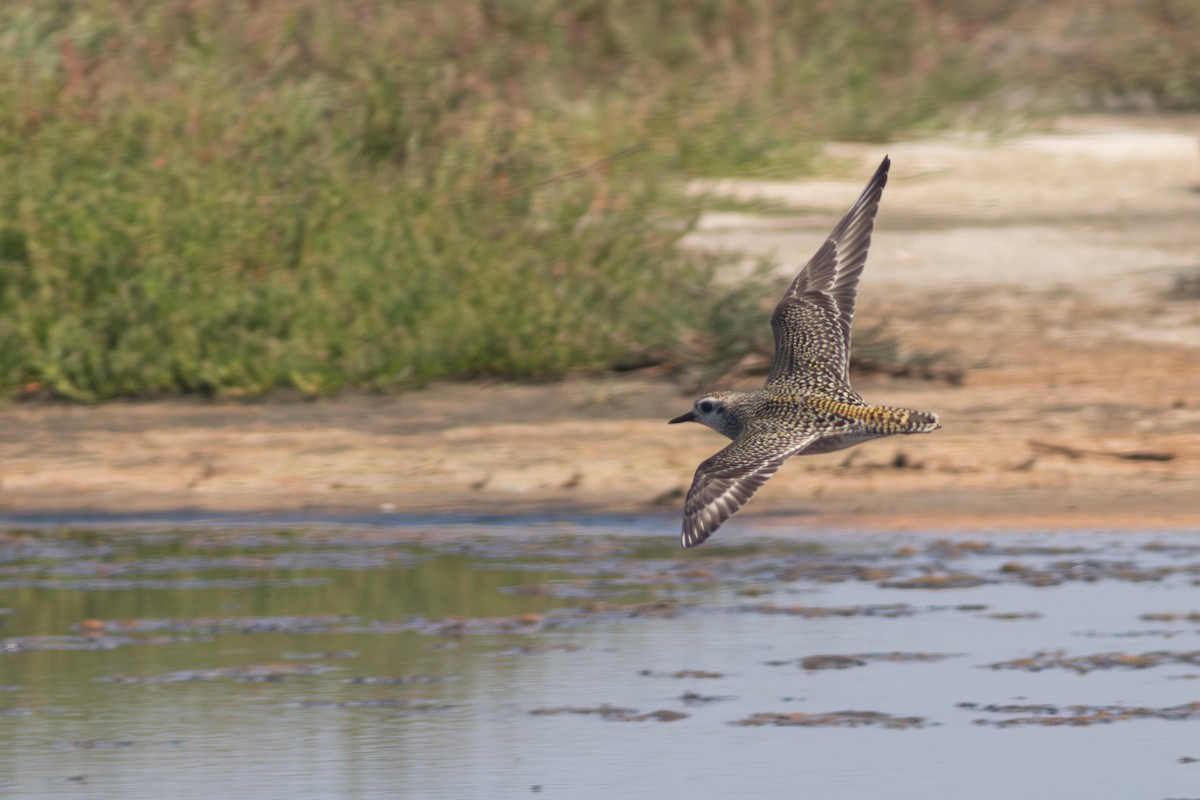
890,610
833,719
568,590
928,568
1189,616
531,622
578,568
1090,571
834,571
401,680
541,647
950,580
250,673
690,698
1161,633
1030,565
1013,708
701,674
109,634
30,644
1181,548
1080,715
835,661
828,662
1058,659
474,626
615,713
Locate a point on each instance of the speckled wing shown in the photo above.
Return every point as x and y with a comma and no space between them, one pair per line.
726,481
812,322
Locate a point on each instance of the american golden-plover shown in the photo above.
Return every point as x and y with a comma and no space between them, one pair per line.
807,405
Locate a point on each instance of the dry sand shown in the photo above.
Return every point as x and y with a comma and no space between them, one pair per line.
1044,263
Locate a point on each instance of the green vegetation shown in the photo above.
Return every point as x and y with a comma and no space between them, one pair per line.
1117,54
229,197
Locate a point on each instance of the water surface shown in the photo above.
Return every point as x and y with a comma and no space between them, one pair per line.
579,661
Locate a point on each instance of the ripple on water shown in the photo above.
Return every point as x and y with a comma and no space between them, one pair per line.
481,665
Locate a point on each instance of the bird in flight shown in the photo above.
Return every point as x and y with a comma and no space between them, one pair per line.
807,406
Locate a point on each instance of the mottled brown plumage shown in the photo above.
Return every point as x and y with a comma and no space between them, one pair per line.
807,405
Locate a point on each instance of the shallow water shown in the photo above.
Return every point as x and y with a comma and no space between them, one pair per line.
579,661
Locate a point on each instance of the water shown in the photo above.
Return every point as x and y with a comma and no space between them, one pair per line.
362,662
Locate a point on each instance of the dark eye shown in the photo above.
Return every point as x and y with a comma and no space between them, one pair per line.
706,406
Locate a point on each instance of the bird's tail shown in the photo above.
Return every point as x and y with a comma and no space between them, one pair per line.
888,420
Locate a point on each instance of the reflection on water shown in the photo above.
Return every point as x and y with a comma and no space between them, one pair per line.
451,661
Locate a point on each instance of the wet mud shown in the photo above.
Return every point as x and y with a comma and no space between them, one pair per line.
834,719
1086,663
1081,715
613,713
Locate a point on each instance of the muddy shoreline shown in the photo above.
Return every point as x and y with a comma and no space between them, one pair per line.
1046,268
358,456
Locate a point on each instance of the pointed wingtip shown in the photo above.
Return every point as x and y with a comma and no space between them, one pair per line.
693,536
882,171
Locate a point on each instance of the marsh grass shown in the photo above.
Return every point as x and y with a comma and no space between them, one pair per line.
220,197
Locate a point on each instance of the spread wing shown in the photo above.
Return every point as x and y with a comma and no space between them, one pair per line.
812,321
726,482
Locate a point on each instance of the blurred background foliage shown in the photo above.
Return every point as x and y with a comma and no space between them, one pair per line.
231,196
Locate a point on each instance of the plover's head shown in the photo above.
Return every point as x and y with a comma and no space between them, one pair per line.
717,410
